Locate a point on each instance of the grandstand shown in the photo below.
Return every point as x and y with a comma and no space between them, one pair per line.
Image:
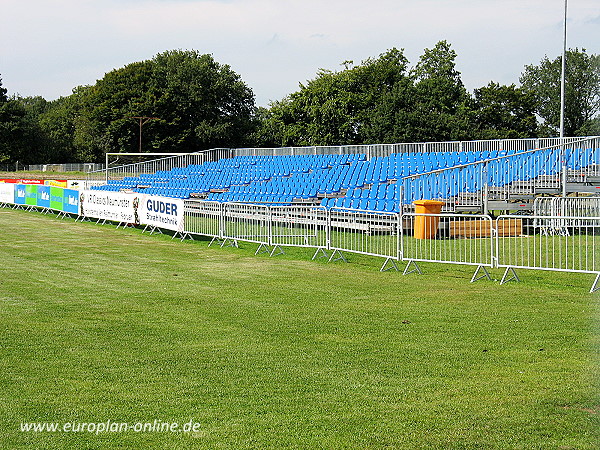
467,180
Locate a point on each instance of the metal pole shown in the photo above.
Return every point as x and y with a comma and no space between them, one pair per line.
143,120
140,147
562,78
562,106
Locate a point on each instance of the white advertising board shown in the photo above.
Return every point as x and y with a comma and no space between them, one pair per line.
162,212
7,193
136,208
113,206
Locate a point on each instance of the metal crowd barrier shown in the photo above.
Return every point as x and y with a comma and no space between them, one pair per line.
298,226
558,243
564,243
561,243
246,222
204,218
365,232
448,238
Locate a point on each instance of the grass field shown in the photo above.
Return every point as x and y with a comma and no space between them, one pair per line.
101,324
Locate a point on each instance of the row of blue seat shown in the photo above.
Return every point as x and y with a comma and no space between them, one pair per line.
277,179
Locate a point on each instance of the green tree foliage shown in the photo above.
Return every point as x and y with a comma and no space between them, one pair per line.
379,100
65,124
3,92
19,136
442,102
582,92
198,104
338,107
504,112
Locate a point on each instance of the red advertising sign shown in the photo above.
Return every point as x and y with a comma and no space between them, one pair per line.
62,183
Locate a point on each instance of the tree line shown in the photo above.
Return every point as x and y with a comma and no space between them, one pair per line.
198,103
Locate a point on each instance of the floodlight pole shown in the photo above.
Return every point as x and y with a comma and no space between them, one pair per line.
562,104
143,120
562,76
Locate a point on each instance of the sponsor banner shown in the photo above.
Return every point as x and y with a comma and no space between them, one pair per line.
70,201
56,198
113,206
20,194
7,193
56,183
161,212
43,196
22,181
75,184
29,181
31,194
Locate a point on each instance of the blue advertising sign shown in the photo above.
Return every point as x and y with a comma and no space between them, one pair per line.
43,196
71,201
20,194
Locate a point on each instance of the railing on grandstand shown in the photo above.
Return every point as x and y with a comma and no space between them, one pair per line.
518,175
380,150
372,151
116,169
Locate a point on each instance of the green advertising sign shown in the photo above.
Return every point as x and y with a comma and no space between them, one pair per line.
31,194
56,198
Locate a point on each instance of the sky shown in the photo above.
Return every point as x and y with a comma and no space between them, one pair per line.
49,47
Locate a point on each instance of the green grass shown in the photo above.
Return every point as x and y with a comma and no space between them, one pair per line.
102,324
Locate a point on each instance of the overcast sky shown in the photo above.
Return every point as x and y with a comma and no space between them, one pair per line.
48,47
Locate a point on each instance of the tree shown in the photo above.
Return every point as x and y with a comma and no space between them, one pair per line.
19,137
441,109
582,91
199,103
3,92
202,103
504,112
339,107
67,137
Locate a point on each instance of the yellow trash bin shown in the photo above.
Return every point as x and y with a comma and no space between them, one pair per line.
426,226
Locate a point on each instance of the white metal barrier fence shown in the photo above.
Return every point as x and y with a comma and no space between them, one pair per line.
561,243
448,238
298,226
246,222
574,248
204,218
541,242
365,232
